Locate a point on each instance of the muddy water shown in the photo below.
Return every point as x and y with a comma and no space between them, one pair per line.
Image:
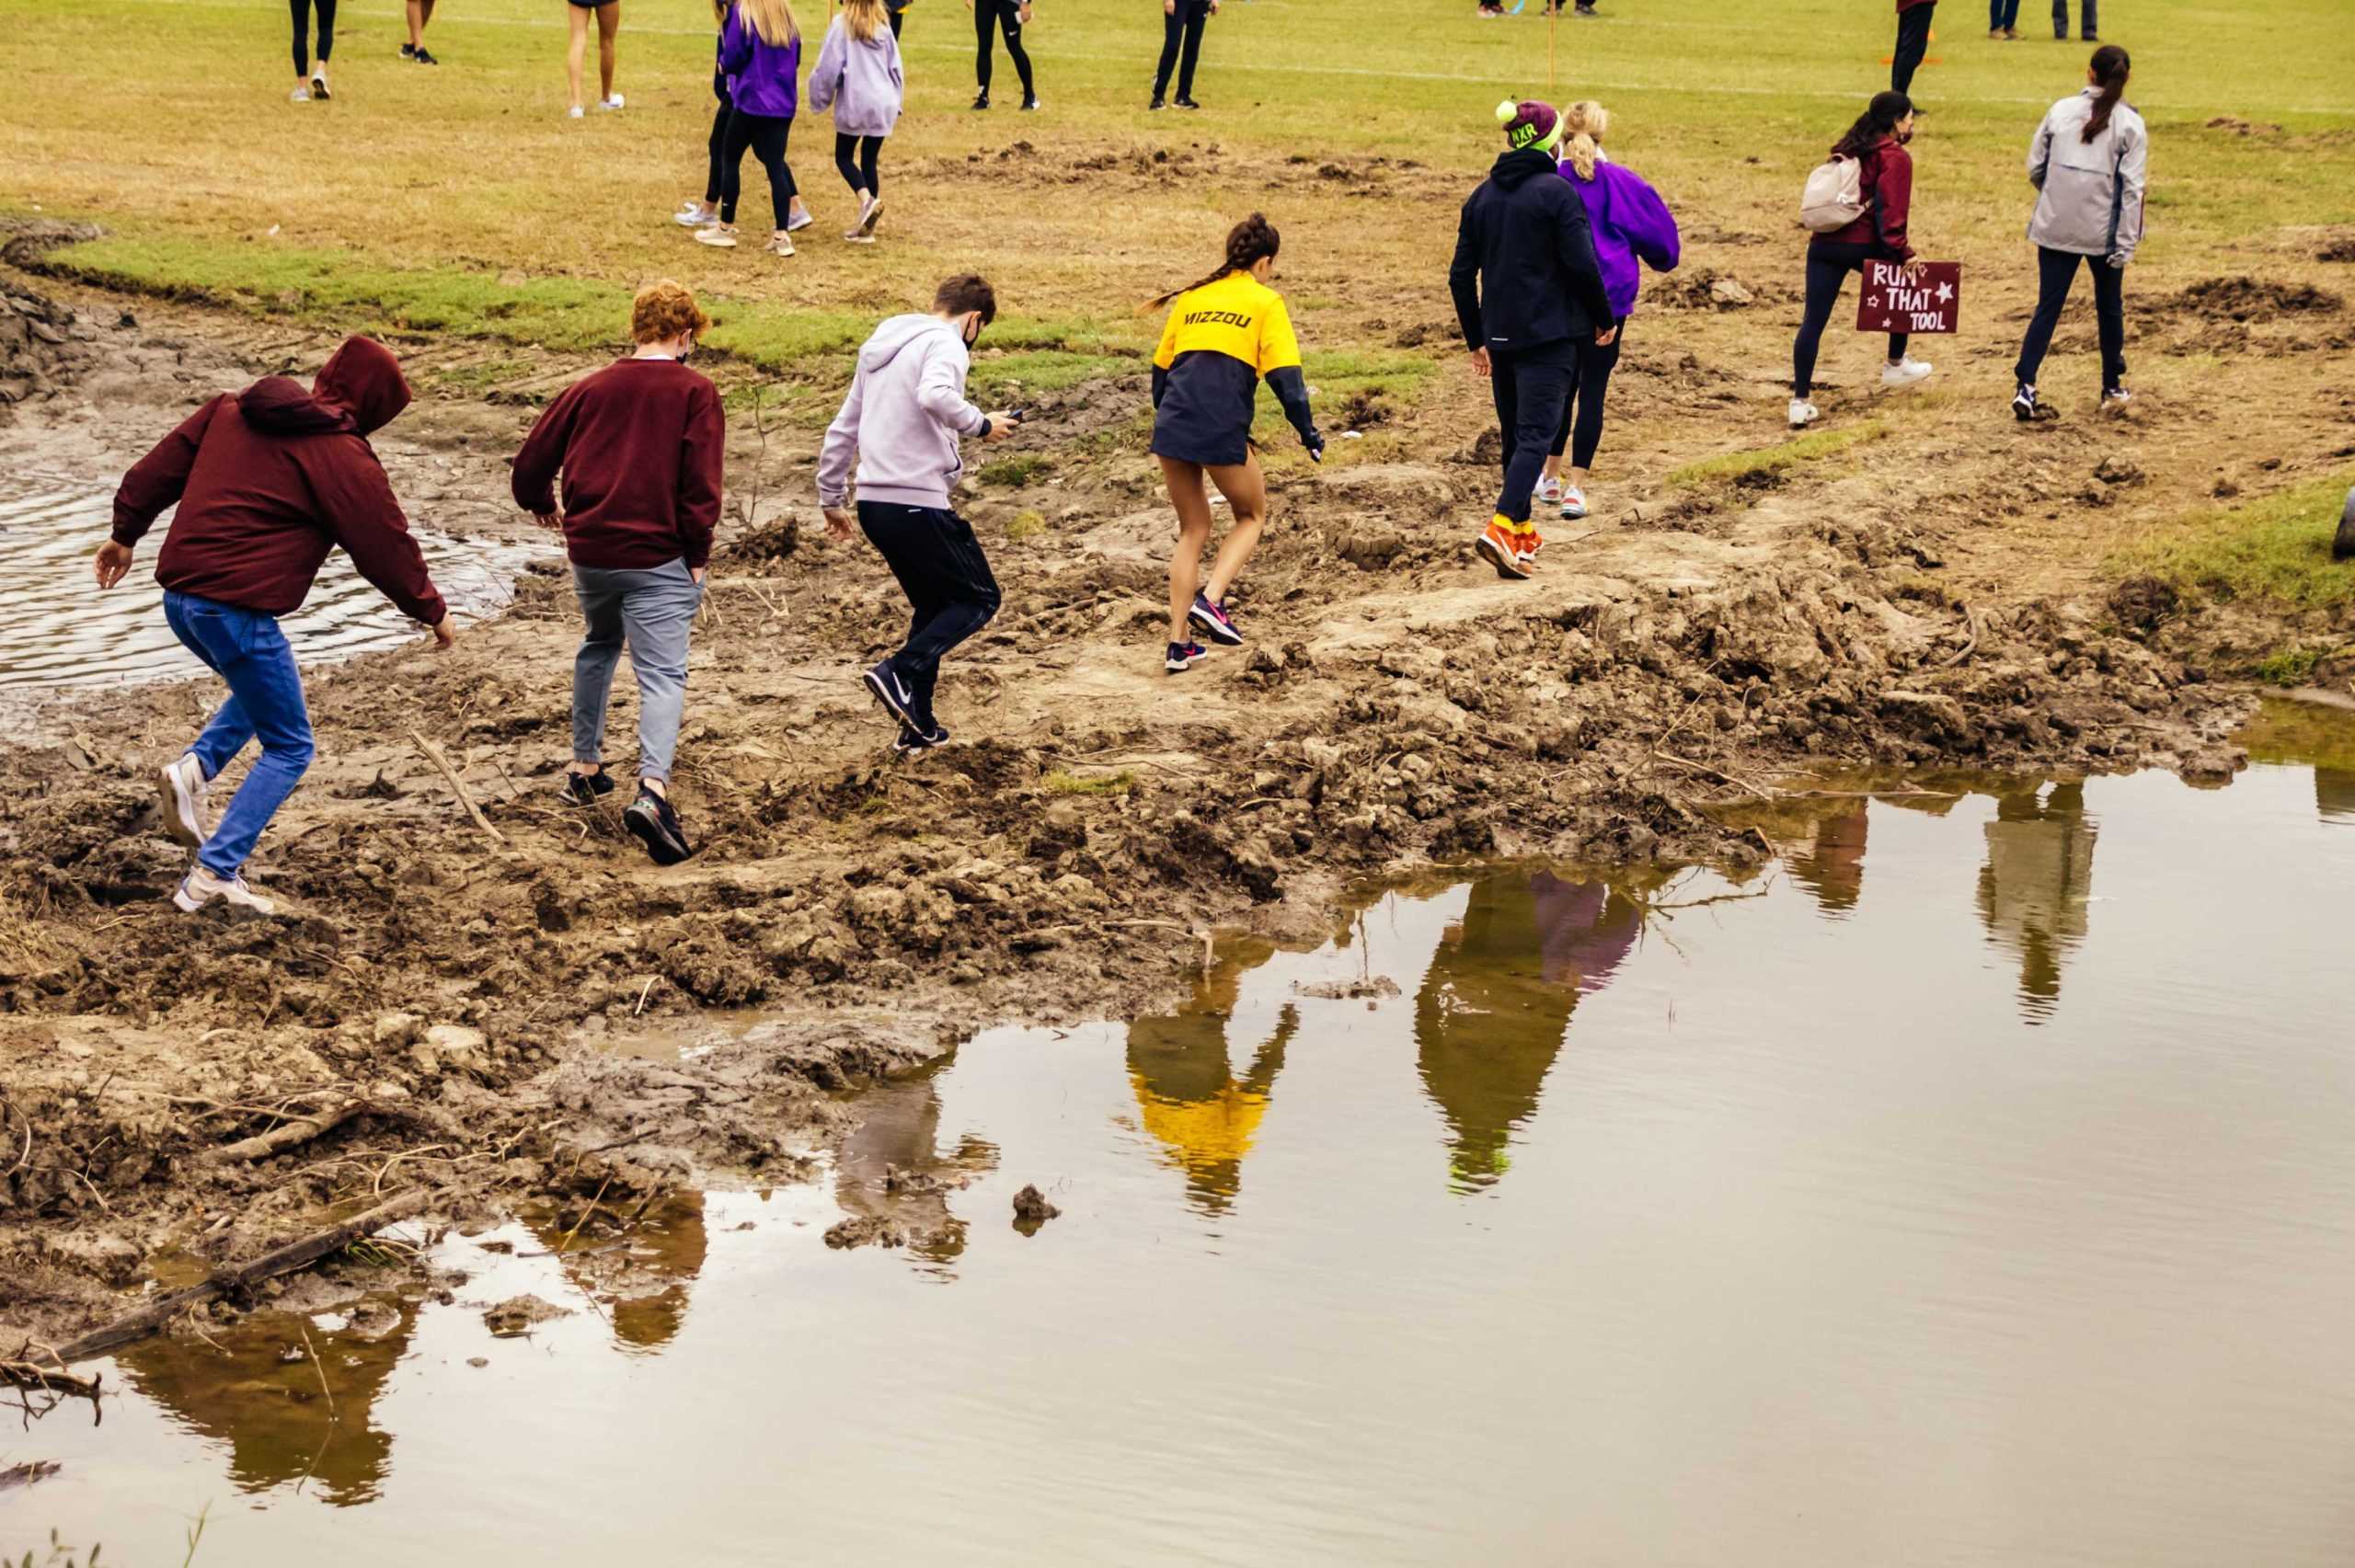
1972,1187
57,629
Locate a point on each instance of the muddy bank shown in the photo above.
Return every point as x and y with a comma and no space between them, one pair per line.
1061,859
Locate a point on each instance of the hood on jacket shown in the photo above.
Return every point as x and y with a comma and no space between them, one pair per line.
896,333
359,389
1516,169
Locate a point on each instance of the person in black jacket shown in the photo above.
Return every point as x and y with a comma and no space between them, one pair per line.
1529,293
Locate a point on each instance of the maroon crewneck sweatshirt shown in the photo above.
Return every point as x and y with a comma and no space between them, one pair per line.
639,444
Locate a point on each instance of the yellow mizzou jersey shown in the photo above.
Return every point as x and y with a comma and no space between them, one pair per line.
1221,339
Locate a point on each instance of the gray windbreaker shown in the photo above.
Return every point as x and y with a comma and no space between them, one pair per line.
2090,200
904,413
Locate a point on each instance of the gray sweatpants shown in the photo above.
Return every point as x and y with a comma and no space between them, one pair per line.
653,611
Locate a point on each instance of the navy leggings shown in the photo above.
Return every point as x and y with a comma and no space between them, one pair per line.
1581,430
1829,263
765,134
300,12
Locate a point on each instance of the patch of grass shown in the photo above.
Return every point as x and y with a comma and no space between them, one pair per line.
1812,447
1061,782
2288,666
2274,550
1026,525
1013,473
1047,370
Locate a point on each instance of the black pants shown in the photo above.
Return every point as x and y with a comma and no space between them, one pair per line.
855,157
1005,16
1532,388
717,144
1582,415
2086,16
765,135
2055,270
1828,267
2002,15
1913,42
300,12
895,16
1183,27
950,592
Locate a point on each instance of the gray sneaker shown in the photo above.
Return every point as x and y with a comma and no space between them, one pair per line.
182,786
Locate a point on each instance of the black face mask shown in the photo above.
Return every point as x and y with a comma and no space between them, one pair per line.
972,335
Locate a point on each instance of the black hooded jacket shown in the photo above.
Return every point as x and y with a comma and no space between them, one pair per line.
1524,274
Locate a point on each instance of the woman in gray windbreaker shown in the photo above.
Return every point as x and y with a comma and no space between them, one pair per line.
2089,161
857,76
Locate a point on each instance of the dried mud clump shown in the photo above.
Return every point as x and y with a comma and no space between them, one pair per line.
2253,300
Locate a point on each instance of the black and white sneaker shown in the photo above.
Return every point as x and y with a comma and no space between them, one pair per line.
650,819
982,99
1183,657
1214,620
1158,103
408,52
1030,106
585,789
422,58
1187,103
2023,403
913,740
892,693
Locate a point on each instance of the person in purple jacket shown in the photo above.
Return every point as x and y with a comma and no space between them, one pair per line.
1631,223
760,53
857,76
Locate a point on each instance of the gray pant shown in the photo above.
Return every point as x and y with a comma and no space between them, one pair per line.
653,611
2061,18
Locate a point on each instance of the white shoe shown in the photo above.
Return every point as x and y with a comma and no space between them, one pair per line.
695,215
575,112
1905,373
300,94
795,222
1550,491
183,783
779,244
200,887
2115,400
720,234
1573,503
870,215
611,103
319,87
1803,414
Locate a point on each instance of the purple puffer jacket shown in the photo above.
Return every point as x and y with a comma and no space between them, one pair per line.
761,77
1630,222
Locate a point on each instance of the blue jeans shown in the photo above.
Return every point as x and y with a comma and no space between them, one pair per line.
246,649
652,610
2002,14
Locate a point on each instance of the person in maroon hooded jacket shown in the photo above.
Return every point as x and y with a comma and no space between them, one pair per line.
268,481
1877,142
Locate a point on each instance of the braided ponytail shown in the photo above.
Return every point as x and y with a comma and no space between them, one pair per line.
1247,244
2110,70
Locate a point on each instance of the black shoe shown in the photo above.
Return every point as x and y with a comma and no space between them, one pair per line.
649,817
913,740
1182,657
982,98
2023,403
2093,38
408,52
884,682
422,58
1187,103
1030,106
585,789
1157,103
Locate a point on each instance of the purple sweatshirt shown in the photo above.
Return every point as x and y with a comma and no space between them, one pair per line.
1629,221
760,76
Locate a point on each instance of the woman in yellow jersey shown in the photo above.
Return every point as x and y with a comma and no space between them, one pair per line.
1225,334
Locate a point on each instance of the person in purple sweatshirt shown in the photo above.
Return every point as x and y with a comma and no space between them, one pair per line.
760,53
1631,224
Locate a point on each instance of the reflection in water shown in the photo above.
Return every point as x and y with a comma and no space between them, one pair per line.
2334,794
269,1409
891,1167
2033,891
1833,869
1188,1096
1498,998
644,1282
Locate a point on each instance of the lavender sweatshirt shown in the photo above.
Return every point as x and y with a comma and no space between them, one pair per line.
760,76
905,410
1630,222
861,80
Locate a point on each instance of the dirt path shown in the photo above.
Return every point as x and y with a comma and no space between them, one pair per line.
1925,596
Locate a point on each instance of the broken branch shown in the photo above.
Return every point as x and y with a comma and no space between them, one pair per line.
457,785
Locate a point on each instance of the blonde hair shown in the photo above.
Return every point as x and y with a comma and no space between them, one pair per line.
664,310
864,19
1586,121
773,20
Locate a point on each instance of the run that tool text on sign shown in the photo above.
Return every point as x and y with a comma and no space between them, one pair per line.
1929,299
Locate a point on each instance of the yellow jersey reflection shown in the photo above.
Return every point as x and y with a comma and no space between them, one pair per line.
1189,1097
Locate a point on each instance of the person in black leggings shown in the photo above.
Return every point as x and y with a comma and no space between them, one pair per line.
1182,22
988,17
765,135
311,83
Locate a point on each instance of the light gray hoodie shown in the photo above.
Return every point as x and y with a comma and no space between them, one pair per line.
859,81
905,414
2090,200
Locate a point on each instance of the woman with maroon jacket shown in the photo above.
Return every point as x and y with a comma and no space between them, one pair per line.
639,445
268,481
1878,141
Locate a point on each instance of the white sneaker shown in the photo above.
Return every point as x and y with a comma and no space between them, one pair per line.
1905,373
870,215
200,887
611,103
779,244
320,85
575,112
300,94
694,215
1803,414
2115,400
1550,491
184,785
1573,503
798,220
720,234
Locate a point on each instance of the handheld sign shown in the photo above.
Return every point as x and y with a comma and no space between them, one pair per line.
1895,303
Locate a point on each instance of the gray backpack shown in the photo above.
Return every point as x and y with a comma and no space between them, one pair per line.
1834,197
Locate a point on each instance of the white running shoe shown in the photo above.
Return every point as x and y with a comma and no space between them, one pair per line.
575,112
1905,373
1549,490
2115,399
1573,503
611,103
696,215
200,887
723,236
319,85
798,220
779,244
300,94
1803,414
183,785
869,216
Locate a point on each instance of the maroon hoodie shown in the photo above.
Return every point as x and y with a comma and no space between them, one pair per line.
1887,174
271,479
640,446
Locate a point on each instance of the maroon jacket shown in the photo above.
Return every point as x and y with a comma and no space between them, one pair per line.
1888,201
640,443
271,479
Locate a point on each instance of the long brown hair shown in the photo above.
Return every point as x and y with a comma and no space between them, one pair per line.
864,19
2110,68
1247,244
771,21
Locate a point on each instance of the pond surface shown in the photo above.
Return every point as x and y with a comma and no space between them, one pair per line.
1975,1186
57,629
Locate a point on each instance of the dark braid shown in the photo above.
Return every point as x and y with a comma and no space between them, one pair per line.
1247,243
2110,67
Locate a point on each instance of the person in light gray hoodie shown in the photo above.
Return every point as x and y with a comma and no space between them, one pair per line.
903,417
2089,161
858,75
